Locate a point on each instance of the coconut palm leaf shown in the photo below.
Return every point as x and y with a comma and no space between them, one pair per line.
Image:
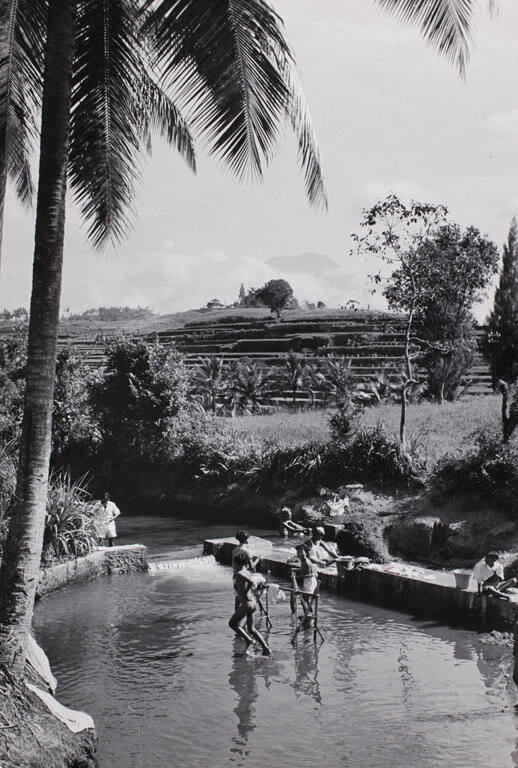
445,24
160,113
104,138
231,67
115,105
22,32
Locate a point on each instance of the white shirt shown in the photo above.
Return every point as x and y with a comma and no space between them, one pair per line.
109,512
482,571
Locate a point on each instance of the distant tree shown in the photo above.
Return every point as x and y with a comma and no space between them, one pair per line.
110,314
275,294
394,233
242,296
335,380
208,383
451,269
143,387
296,374
20,314
249,386
500,343
320,305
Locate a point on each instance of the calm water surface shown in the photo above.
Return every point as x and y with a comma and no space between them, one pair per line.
151,658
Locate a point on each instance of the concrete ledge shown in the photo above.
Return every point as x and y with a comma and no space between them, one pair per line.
103,561
394,590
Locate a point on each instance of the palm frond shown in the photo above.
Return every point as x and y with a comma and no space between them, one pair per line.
445,24
22,35
309,156
228,63
159,113
106,119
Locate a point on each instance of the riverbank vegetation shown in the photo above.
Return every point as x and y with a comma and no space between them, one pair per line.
136,428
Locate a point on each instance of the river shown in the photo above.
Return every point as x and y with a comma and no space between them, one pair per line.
150,656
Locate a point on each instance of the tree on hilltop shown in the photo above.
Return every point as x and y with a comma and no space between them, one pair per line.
500,343
275,294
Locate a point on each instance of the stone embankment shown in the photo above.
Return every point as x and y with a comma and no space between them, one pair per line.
101,562
408,588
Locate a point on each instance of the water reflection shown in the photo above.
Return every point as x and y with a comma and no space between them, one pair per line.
306,669
150,658
243,679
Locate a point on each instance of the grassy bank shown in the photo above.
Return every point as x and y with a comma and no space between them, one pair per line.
437,429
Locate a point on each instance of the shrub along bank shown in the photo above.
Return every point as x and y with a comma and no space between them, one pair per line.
134,429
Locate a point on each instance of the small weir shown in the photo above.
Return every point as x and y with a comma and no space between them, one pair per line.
203,561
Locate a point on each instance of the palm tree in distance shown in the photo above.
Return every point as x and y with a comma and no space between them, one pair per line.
230,65
208,382
295,374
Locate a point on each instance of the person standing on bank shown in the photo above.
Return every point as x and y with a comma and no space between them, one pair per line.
108,513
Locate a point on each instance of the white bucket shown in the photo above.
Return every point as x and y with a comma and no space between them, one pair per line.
345,563
462,578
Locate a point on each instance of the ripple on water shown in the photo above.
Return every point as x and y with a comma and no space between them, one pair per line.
152,659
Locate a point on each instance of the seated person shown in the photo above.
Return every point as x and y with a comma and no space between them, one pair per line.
322,552
287,525
489,575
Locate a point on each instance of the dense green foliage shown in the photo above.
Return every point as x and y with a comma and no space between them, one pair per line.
454,268
486,473
500,344
136,398
13,359
147,428
70,528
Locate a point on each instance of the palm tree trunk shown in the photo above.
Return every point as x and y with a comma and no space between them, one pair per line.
22,554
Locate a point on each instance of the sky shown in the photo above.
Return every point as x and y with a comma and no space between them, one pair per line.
390,115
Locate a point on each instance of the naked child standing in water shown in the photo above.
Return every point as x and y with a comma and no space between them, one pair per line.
245,582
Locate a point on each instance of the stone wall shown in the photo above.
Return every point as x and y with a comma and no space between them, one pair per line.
442,600
101,562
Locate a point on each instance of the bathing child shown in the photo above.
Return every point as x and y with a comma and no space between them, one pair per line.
245,583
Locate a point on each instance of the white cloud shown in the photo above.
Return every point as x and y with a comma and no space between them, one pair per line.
169,280
405,189
505,123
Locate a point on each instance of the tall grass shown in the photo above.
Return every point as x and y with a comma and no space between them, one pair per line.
70,528
285,428
435,429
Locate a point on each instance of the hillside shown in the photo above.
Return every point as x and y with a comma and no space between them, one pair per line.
371,340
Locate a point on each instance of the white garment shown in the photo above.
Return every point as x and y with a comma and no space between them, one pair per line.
74,720
309,584
482,571
105,520
38,660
